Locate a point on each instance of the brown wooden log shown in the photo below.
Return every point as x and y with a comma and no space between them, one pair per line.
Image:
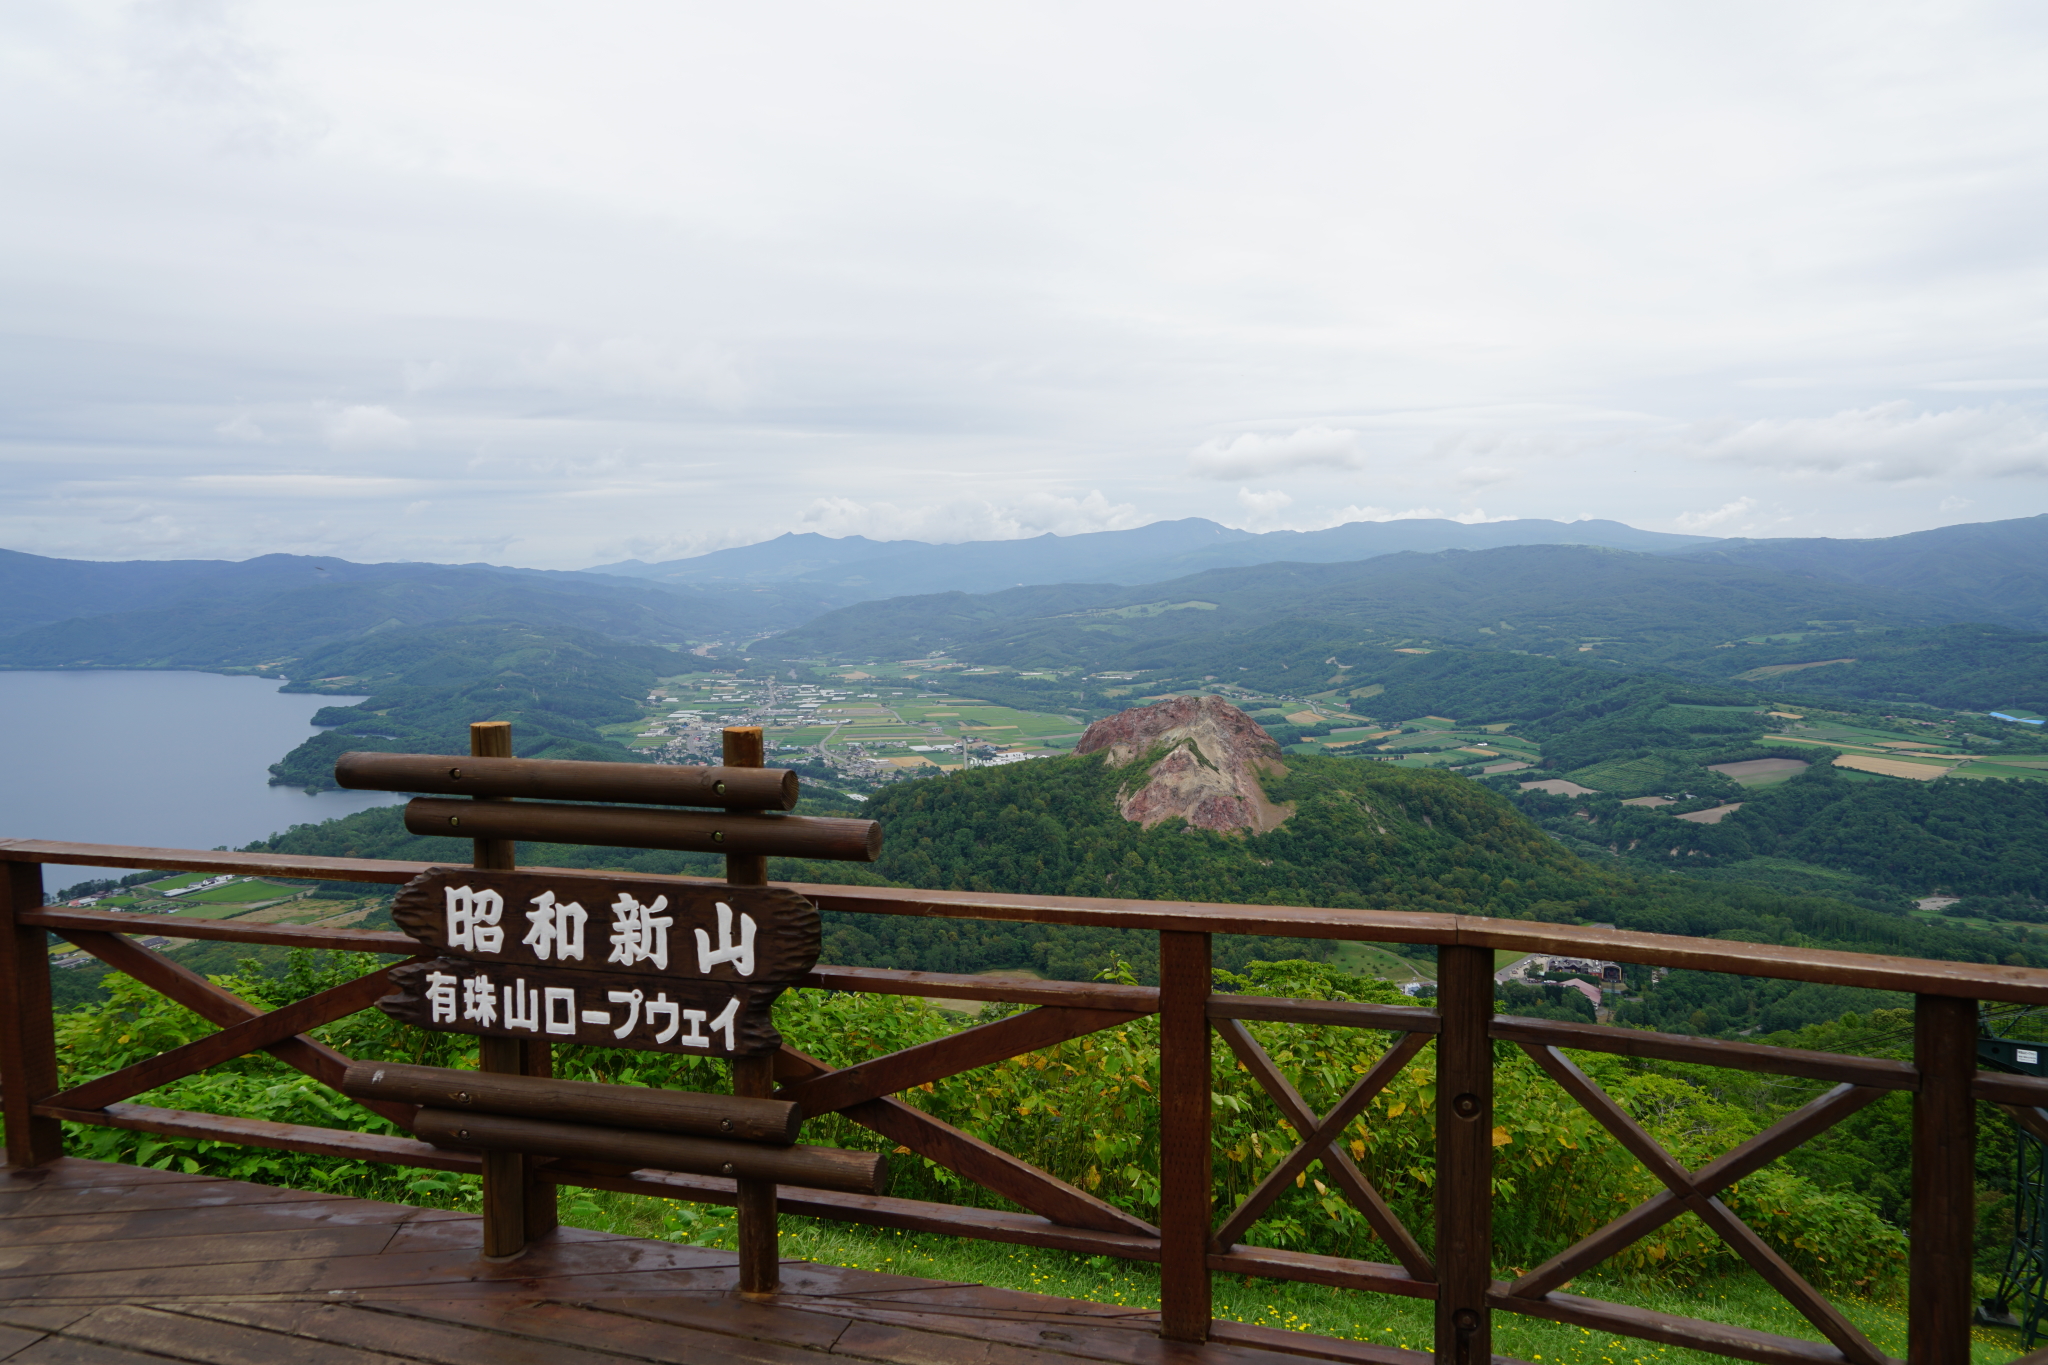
822,1168
912,1215
1962,980
1883,1073
744,832
615,1106
202,860
1464,1157
1938,1296
1336,1271
1715,1338
509,1189
758,1227
1343,1013
287,1137
223,931
2033,1120
504,1168
28,1043
1997,1088
553,779
1087,995
1186,1196
491,739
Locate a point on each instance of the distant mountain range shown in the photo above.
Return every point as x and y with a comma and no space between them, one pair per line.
1550,599
1166,596
190,613
863,569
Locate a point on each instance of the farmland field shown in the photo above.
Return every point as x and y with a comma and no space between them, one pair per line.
1893,767
1761,772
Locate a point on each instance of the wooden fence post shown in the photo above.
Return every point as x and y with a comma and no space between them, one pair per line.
518,1204
1944,1181
753,1077
28,1044
1186,1202
1464,1156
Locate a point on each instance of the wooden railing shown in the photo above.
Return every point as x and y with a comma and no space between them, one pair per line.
1189,1243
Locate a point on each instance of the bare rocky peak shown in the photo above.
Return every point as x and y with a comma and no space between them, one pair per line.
1209,774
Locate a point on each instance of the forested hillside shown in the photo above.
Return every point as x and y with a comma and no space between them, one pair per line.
1361,834
1550,599
427,684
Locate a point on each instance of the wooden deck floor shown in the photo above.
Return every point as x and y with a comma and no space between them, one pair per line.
115,1265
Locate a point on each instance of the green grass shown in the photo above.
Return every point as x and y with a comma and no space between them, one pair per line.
197,909
238,891
1366,959
1350,1314
1999,770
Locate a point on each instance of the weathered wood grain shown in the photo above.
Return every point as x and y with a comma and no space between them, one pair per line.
623,1106
761,833
28,1041
553,779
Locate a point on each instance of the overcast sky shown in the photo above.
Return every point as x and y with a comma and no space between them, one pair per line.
555,285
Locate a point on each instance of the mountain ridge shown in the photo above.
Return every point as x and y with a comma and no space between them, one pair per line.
1151,553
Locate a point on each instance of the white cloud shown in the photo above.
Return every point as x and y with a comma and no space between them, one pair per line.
1030,514
363,426
303,485
922,286
1956,504
1887,443
1474,477
1262,510
1700,521
1254,455
1472,517
640,365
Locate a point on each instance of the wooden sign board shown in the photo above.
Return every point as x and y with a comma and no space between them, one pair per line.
603,1009
604,960
594,922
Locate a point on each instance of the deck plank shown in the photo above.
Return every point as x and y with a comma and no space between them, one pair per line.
180,1336
197,1250
665,1342
66,1202
15,1339
111,1265
213,1220
67,1351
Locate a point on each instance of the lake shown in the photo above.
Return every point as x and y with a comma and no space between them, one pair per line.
170,760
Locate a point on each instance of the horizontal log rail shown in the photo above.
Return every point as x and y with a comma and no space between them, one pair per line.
1051,1213
1913,976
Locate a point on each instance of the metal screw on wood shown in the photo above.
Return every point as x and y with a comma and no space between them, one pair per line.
455,772
1466,1106
725,1124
